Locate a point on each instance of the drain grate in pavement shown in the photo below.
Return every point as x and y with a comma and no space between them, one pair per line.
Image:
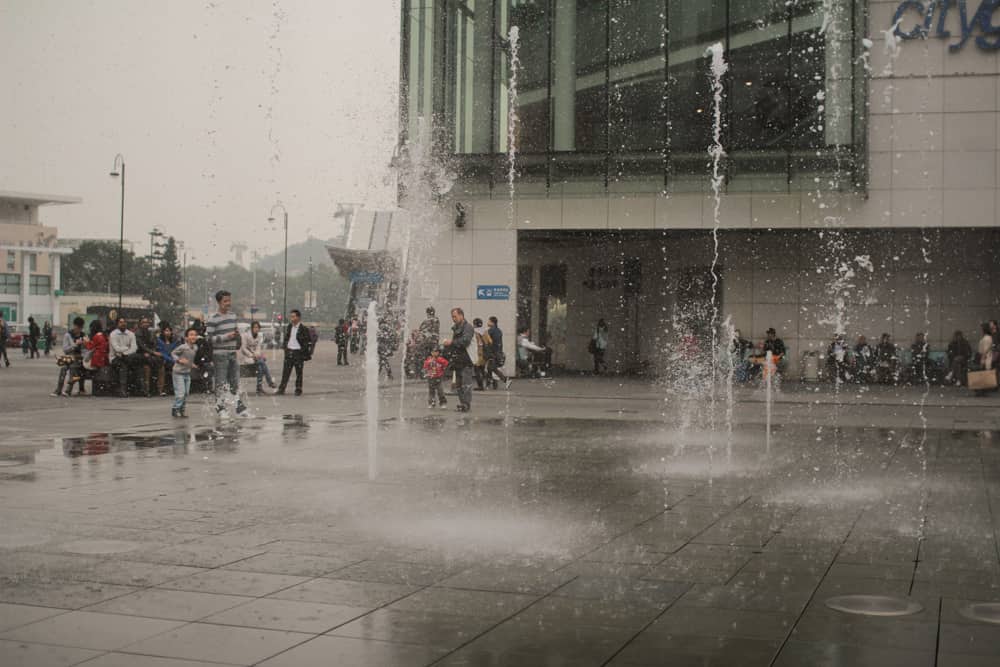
874,605
984,612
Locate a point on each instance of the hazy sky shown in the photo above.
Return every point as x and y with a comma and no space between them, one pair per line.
220,108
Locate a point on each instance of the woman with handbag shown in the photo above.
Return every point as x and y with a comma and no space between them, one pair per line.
980,380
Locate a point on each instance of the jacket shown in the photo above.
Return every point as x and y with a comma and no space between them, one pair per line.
434,367
165,348
122,344
462,335
98,347
145,340
305,341
250,350
186,352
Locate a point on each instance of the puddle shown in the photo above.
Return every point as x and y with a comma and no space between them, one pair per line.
874,605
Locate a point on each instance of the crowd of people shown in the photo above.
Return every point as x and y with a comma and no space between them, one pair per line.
885,362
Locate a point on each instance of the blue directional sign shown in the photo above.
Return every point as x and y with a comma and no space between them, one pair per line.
493,292
372,277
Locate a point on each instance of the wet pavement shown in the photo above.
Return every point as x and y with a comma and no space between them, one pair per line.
599,530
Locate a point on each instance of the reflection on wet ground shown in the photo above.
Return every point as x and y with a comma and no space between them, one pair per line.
530,542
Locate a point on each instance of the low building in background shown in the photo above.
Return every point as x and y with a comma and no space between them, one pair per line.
29,258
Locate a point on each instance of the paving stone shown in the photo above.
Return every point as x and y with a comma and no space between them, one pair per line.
233,582
84,629
219,643
351,652
169,604
443,631
23,654
291,615
16,615
348,593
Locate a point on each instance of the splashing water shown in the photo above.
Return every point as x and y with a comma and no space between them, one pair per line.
725,348
718,68
371,389
514,37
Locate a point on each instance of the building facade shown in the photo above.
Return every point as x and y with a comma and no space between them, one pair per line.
858,173
30,274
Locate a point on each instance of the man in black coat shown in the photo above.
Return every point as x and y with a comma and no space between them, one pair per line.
456,349
298,350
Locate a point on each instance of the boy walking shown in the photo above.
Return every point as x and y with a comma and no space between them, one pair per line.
184,355
434,367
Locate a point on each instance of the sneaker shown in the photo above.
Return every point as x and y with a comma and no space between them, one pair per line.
65,394
280,392
271,385
298,392
174,412
55,394
508,383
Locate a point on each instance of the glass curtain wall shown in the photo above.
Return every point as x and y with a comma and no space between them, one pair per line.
619,90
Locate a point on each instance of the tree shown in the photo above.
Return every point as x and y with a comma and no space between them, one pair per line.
165,292
93,267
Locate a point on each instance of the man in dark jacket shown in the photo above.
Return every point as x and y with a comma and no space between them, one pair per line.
298,350
4,335
152,360
457,353
34,333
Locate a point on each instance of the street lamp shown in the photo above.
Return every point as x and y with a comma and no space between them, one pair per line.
284,288
117,171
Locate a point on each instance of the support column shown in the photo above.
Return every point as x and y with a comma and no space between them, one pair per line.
55,261
564,76
25,285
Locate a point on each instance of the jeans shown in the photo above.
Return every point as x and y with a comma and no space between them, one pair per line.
73,370
465,380
263,373
435,393
342,354
227,376
182,387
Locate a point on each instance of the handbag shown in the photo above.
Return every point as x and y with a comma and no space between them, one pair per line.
979,380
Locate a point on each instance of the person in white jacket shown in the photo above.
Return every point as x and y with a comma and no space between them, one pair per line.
251,353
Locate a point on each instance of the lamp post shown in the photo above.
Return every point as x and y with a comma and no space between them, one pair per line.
184,278
119,170
284,288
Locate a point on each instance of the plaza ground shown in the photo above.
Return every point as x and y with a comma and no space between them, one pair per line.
573,521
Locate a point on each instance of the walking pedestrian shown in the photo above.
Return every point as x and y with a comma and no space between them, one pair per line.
340,337
34,333
298,350
457,348
598,345
482,342
48,337
225,337
387,344
495,357
184,362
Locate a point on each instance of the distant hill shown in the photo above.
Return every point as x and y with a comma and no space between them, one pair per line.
298,257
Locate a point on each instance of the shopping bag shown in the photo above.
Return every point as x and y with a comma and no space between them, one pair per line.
982,379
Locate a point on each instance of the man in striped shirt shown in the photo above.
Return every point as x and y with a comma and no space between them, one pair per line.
221,330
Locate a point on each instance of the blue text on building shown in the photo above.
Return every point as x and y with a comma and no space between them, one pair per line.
493,292
989,39
371,277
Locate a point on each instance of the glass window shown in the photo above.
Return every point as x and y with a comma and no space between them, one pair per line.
11,260
473,45
10,283
32,262
533,21
40,285
638,85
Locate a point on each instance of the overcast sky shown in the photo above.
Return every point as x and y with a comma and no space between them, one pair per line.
221,108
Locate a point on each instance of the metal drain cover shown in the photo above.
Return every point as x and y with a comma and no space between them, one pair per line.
984,612
874,605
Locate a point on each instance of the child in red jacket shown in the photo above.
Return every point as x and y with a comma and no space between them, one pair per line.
434,367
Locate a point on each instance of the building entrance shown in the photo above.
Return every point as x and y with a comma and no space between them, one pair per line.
653,290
